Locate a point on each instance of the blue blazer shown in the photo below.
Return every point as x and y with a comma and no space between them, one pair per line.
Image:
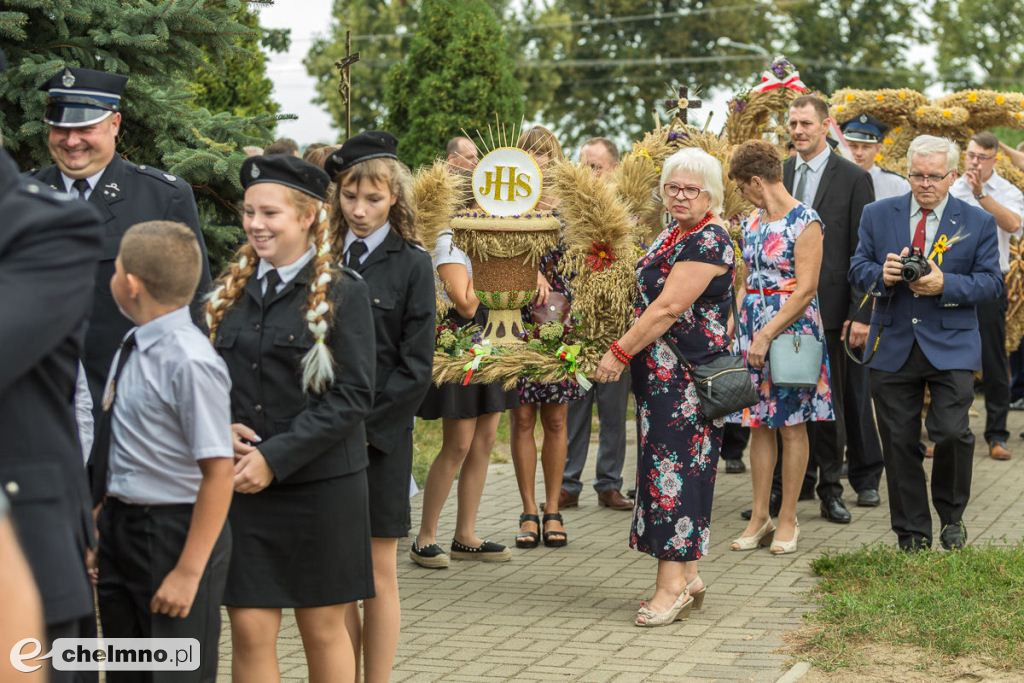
944,326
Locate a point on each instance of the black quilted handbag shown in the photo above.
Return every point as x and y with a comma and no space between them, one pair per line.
723,385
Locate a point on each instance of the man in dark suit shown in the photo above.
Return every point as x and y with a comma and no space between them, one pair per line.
838,190
49,247
84,115
924,333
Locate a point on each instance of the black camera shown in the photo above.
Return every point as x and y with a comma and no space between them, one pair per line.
915,266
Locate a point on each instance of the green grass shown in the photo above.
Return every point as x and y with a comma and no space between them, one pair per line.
948,603
426,443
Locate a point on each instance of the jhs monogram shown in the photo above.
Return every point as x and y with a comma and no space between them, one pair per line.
508,177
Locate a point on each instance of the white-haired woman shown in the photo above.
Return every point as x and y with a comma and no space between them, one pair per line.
685,285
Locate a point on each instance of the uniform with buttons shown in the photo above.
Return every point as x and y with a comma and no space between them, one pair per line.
49,246
304,540
124,194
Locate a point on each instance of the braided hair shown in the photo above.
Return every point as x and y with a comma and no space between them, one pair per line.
389,172
318,363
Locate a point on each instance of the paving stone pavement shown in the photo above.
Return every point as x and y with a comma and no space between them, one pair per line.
566,614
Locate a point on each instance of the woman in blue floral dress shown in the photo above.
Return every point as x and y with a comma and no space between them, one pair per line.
685,286
782,244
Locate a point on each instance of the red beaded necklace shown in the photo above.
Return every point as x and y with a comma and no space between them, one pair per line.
674,236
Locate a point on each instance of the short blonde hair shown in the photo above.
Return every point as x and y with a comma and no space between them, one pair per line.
701,164
165,255
925,145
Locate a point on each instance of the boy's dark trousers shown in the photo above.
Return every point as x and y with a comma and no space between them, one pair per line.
140,545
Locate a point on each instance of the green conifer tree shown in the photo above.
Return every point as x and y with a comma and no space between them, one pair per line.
458,74
160,46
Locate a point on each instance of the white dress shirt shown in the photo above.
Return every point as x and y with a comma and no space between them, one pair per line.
931,226
93,180
1004,192
172,409
286,273
372,241
815,169
888,184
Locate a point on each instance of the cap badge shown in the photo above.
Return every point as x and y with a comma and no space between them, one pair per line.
863,118
68,79
255,173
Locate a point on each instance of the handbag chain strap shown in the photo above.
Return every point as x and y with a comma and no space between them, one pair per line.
736,329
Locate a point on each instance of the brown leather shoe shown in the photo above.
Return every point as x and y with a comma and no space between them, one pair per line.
614,499
999,451
568,500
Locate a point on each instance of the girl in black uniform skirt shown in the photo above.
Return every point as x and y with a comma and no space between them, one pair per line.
297,335
469,417
372,224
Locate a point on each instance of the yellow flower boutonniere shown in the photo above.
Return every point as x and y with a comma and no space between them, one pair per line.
943,244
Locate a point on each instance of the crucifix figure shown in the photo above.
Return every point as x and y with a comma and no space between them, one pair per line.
345,86
683,105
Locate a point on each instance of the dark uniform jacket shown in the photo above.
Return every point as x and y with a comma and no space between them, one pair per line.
49,246
127,194
305,437
844,190
401,281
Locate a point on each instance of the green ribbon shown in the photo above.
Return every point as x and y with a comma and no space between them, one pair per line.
569,353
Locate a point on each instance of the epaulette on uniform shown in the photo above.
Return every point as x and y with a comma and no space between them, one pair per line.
351,273
158,174
423,249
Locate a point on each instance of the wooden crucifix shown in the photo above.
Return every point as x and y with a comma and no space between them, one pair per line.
683,105
345,86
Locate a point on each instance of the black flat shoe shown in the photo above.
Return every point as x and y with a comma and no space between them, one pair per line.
555,539
735,467
868,498
430,556
528,539
834,510
487,551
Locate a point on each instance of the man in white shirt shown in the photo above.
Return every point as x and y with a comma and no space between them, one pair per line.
864,135
981,186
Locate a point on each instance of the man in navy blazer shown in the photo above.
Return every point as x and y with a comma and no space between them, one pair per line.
924,333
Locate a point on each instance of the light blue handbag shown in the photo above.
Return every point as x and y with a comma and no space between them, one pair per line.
794,359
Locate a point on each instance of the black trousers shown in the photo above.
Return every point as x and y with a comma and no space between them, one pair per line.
734,441
139,546
75,628
900,399
995,368
863,449
828,439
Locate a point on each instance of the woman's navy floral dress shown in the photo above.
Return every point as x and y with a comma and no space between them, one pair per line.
679,447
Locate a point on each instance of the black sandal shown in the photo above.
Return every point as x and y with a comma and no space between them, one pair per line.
528,539
555,539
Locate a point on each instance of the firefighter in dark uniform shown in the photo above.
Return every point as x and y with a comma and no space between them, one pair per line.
84,115
49,247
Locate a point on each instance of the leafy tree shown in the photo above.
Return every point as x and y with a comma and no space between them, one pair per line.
458,73
853,43
238,82
160,46
979,43
382,31
621,58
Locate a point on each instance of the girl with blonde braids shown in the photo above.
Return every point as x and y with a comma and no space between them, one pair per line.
372,223
296,333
